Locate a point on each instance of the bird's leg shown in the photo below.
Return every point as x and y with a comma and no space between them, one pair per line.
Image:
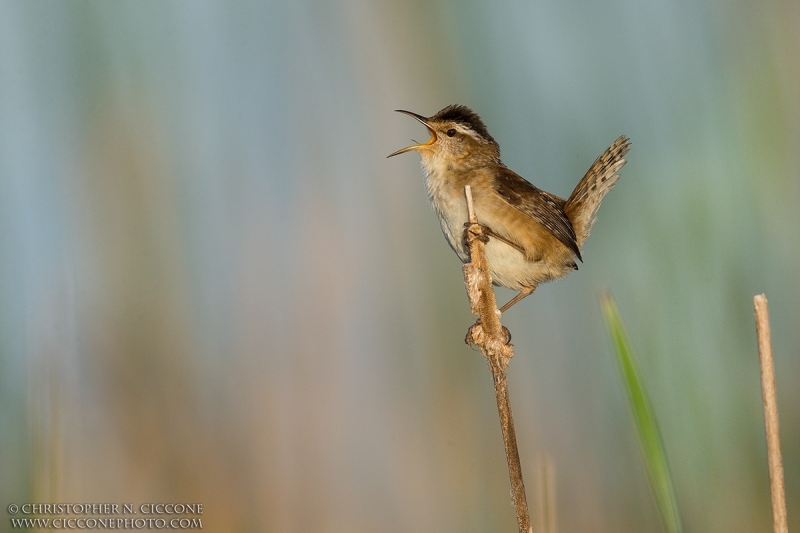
483,237
489,232
522,294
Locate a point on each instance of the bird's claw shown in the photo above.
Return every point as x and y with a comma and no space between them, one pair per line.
475,334
507,334
482,235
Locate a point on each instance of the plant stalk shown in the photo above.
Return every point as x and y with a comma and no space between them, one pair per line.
779,521
493,340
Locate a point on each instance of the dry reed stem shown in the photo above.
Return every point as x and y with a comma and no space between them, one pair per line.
779,521
491,337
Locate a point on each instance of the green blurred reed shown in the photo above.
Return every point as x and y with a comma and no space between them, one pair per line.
652,447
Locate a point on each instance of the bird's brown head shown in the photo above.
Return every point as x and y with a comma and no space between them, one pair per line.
456,132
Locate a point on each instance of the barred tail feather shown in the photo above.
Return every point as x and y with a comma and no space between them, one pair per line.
581,207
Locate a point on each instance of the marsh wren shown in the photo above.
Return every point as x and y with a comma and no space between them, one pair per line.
534,236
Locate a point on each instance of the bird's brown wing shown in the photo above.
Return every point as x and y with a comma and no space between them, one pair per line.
541,206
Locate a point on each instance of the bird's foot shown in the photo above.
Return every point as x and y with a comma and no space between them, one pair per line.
487,232
474,230
475,334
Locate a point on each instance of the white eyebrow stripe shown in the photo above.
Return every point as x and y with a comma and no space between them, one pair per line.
469,131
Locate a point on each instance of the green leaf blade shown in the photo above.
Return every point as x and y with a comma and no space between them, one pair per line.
652,446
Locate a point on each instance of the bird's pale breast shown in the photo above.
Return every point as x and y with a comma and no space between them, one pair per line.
545,258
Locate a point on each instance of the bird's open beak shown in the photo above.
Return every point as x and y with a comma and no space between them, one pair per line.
416,146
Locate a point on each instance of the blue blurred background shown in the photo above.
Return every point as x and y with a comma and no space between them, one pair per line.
215,287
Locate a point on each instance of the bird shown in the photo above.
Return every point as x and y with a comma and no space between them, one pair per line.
534,236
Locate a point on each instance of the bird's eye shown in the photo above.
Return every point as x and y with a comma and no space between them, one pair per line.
451,132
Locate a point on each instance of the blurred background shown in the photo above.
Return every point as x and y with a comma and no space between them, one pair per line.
215,287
